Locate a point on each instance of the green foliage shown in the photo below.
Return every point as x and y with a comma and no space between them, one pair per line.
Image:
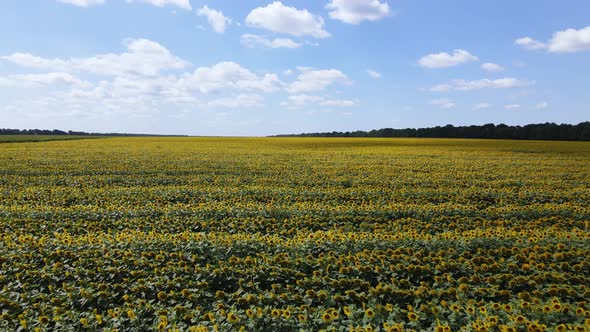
283,234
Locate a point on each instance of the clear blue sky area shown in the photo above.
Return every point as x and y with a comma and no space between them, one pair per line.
262,67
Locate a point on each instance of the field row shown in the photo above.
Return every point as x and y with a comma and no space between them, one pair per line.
135,234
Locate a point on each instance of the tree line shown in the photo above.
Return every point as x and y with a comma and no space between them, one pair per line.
542,131
4,131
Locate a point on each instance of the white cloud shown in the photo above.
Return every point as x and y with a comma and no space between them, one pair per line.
184,4
239,101
215,18
463,85
541,105
512,106
228,75
356,11
566,41
279,18
29,60
530,44
148,79
301,100
488,66
83,3
250,40
481,106
310,80
339,102
443,103
570,40
373,73
144,57
444,60
40,80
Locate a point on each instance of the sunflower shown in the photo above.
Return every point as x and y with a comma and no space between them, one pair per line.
43,320
250,313
326,317
287,313
412,316
370,313
275,313
346,311
232,318
84,322
335,314
131,314
396,328
519,319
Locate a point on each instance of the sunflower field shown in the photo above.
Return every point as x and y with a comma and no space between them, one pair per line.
290,234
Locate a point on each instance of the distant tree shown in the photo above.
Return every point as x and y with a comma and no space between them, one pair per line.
544,131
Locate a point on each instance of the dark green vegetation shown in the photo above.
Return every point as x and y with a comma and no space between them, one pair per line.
290,234
545,131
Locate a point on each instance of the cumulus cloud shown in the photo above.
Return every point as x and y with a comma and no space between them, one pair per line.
566,41
241,100
251,40
492,67
463,85
570,40
481,106
228,75
83,3
279,18
373,74
310,80
215,18
40,80
339,102
443,103
444,60
301,100
356,11
512,106
143,57
530,44
149,78
184,4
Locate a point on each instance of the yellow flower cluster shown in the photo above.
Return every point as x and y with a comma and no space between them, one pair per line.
284,234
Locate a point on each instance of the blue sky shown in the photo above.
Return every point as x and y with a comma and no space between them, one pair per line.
270,67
